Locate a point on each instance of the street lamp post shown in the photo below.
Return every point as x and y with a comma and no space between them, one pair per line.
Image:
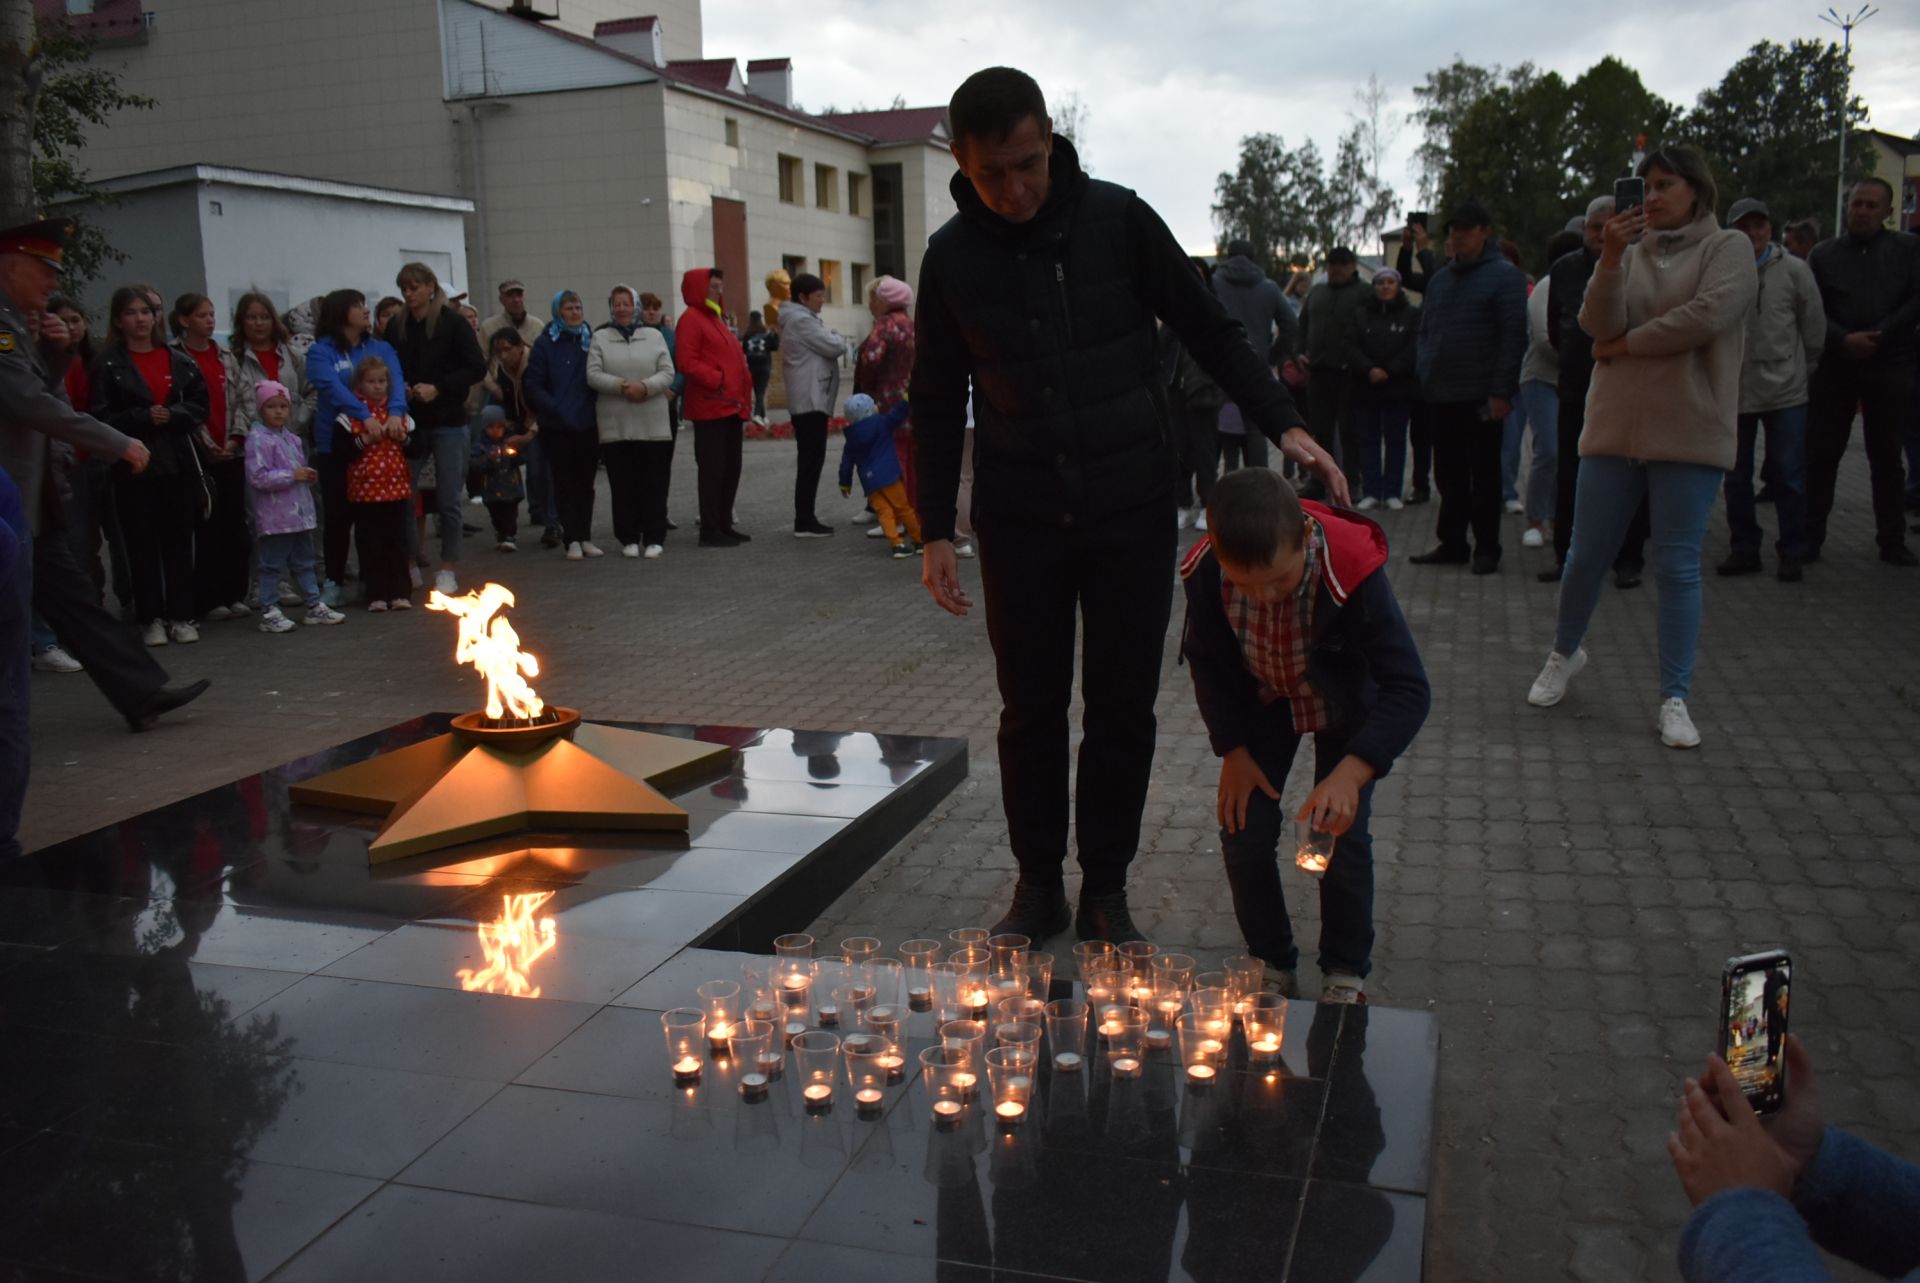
1846,23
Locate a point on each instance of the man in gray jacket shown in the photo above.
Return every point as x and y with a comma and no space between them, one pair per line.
812,354
1326,322
1785,332
1255,301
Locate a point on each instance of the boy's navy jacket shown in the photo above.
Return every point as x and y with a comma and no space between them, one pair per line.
868,446
1364,661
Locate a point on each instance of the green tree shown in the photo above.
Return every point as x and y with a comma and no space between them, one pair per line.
1443,101
19,86
1274,198
1769,128
1511,152
1610,110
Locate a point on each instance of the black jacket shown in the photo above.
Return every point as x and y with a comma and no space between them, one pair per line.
120,398
1326,319
1381,336
1473,329
1414,277
1870,284
449,359
1052,320
1567,279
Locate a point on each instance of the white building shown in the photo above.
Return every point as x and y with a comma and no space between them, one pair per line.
596,146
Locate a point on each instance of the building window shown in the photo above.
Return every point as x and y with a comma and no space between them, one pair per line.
79,8
862,274
830,273
792,181
826,187
793,264
857,195
733,132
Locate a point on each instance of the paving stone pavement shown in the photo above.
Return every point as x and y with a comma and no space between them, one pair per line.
1556,885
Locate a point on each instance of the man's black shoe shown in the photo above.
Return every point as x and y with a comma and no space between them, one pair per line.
672,524
1105,917
1551,576
719,541
1624,577
1739,563
1036,912
737,537
812,530
1442,556
1486,565
550,537
470,528
1900,555
1789,571
164,701
1420,495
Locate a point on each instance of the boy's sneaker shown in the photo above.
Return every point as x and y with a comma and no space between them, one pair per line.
653,550
1396,503
289,595
1676,727
902,551
54,659
1342,990
445,582
401,603
218,614
1550,687
154,634
506,545
591,549
1284,983
330,593
275,622
1367,504
184,633
964,548
321,613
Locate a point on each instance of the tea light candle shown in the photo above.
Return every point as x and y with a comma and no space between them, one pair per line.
1010,1111
1200,1075
1067,1062
964,1083
1159,1038
946,1113
1126,1067
1170,1007
1218,1029
868,1099
761,1010
717,1036
753,1086
896,1067
1108,1028
686,1071
920,999
795,1028
817,1094
828,1015
1209,1047
1140,993
768,1063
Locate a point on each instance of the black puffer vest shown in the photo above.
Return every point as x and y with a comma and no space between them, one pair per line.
1070,416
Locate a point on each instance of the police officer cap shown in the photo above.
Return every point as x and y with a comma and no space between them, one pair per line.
45,239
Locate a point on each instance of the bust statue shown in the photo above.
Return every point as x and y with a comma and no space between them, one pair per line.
779,290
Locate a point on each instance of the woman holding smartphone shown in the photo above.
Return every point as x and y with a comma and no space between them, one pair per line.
1666,308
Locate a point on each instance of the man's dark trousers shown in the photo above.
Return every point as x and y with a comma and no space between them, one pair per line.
1107,583
1880,390
124,670
1566,484
1329,398
1466,465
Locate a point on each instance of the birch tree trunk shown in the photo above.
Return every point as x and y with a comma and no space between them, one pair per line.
19,90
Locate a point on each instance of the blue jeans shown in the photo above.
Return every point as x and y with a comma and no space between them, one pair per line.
1679,500
450,458
42,634
290,555
1787,461
1540,409
16,676
1375,427
1252,858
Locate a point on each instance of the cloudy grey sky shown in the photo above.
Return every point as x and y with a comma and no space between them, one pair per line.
1171,88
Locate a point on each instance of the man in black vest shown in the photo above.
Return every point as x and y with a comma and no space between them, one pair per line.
1040,295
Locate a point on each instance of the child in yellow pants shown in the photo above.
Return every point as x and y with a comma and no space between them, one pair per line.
867,444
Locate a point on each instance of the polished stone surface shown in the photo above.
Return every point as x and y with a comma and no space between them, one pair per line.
236,1051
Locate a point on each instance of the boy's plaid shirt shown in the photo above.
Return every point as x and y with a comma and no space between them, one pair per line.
1276,639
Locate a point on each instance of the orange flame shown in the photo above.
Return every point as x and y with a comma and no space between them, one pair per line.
488,642
511,944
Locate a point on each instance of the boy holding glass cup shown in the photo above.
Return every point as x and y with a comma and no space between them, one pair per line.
1292,629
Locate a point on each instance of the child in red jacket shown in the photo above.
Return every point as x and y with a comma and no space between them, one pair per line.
380,488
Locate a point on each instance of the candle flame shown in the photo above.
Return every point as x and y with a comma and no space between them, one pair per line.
511,944
489,643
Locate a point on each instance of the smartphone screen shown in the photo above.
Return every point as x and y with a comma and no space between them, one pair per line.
1628,194
1754,993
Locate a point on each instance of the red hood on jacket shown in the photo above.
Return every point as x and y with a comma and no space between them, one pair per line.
693,289
1356,547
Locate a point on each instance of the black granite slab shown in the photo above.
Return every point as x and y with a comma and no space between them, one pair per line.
235,1051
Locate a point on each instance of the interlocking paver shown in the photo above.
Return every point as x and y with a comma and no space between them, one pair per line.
1555,885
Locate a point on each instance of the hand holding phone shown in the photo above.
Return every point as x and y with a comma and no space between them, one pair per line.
1629,194
1754,992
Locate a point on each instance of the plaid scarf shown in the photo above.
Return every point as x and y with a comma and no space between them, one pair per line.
1276,639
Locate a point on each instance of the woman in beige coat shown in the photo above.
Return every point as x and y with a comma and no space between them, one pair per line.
1667,308
631,370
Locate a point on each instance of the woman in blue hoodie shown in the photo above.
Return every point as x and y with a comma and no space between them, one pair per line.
564,405
344,340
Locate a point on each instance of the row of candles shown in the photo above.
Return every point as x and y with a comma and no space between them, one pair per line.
1137,1000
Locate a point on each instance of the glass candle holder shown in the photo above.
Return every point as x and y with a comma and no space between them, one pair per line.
853,1001
1315,850
883,974
770,1058
866,1076
1177,968
1089,952
949,980
1067,1034
1036,974
816,1063
1003,970
884,1023
970,1036
968,937
1215,1009
949,1081
1202,1054
720,999
748,1045
1265,1020
1246,976
1010,1076
1107,982
1020,1037
858,951
1169,1003
1210,980
759,996
686,1030
1030,1010
915,957
798,945
1140,953
796,1000
977,963
1126,1035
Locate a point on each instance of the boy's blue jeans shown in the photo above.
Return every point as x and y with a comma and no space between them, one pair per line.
1680,498
1253,855
290,555
1786,434
1379,428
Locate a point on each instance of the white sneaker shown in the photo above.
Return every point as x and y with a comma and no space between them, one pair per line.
1367,504
1343,990
1182,518
630,550
1396,503
400,603
506,545
1200,522
1515,507
376,606
54,659
653,550
321,613
186,634
478,501
1534,538
574,553
155,634
1550,687
219,613
240,609
275,622
1676,727
591,549
964,548
446,582
413,576
876,533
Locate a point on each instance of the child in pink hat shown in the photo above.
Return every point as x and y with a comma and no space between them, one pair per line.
283,515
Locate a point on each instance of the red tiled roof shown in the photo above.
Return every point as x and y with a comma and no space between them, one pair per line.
907,125
623,26
708,73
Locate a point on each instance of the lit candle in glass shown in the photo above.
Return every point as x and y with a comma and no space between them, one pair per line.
946,1113
753,1086
818,1093
965,1081
717,1036
868,1100
686,1033
1010,1111
1126,1067
1200,1075
686,1071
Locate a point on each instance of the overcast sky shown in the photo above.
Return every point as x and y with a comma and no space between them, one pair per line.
1171,89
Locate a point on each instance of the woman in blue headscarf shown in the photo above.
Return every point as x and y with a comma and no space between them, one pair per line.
563,404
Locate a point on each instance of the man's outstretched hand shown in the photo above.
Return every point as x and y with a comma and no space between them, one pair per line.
1298,445
940,572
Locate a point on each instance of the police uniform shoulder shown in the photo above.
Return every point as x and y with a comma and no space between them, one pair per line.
14,339
1197,556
